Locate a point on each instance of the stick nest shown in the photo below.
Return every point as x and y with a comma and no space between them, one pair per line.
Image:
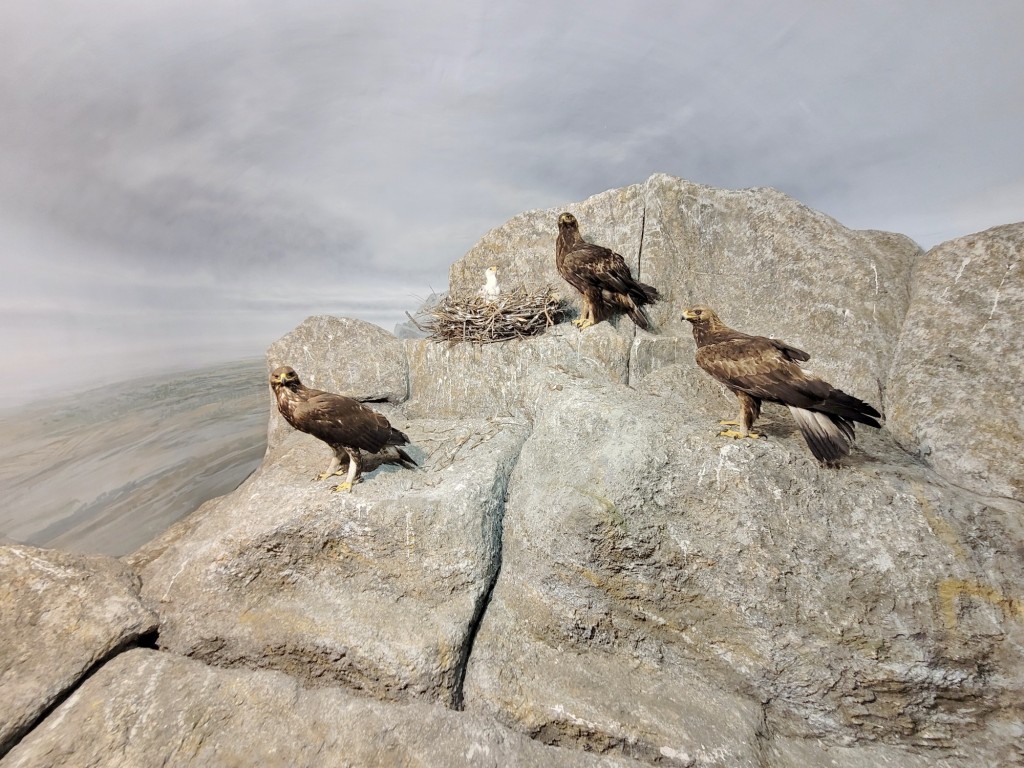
515,314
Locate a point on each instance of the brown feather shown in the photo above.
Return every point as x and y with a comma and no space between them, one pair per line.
761,369
343,423
600,275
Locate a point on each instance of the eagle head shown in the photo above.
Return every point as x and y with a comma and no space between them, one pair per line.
284,376
567,220
700,315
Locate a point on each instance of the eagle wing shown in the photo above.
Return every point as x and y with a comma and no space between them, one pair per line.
597,268
340,420
763,368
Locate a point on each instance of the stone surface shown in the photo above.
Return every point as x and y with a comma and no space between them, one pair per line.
60,614
523,248
472,380
376,590
956,392
766,263
771,266
341,355
998,746
584,561
660,584
150,709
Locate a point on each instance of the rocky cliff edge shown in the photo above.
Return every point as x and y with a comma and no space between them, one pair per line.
583,572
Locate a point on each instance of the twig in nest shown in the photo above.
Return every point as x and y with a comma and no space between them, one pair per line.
413,321
516,314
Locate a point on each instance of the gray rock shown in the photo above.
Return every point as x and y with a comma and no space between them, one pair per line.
523,248
584,561
149,709
766,263
60,614
350,357
341,355
459,380
739,251
376,590
772,266
659,585
996,746
472,380
956,391
650,352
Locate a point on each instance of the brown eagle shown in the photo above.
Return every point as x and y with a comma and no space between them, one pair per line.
757,369
601,275
345,424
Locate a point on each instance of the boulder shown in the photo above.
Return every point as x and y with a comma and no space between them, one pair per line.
771,266
341,355
994,746
148,709
60,616
584,561
523,248
666,591
767,264
378,589
956,387
473,380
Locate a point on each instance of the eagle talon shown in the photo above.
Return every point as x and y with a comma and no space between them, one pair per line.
346,486
736,435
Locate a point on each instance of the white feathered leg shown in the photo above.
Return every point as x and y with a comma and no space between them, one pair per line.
354,471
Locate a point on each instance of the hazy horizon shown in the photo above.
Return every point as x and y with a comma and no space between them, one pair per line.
106,470
183,183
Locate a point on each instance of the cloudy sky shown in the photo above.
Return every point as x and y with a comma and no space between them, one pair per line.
183,181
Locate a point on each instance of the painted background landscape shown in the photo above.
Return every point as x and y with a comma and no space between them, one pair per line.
106,470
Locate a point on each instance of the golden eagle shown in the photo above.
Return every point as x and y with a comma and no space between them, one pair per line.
756,369
345,424
601,275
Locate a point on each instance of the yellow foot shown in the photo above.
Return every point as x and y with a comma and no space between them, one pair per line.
584,324
325,475
578,322
737,435
346,486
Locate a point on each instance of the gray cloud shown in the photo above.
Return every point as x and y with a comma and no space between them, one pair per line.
218,170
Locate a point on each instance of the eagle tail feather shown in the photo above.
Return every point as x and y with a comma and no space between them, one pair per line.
637,316
650,293
397,437
845,406
406,460
828,436
641,293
